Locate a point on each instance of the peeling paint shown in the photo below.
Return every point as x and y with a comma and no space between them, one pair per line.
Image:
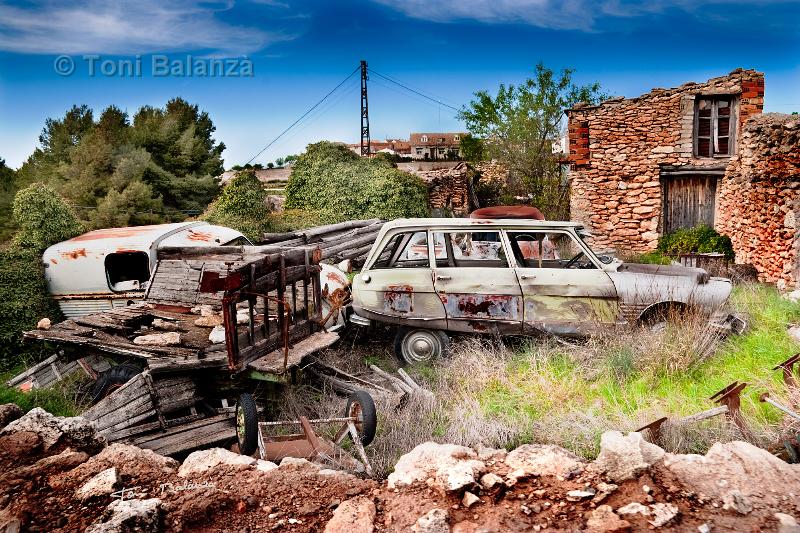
74,254
494,306
399,299
200,236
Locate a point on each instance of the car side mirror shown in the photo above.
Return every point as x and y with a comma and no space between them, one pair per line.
605,259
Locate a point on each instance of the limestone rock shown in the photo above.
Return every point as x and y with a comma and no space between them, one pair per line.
166,325
100,485
663,513
634,508
544,460
217,335
355,515
469,500
76,431
170,338
203,460
209,321
8,413
434,521
44,324
451,467
786,523
738,502
794,333
297,462
793,296
625,457
265,466
123,516
490,480
604,520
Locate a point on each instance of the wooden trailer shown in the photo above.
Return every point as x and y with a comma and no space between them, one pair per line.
173,386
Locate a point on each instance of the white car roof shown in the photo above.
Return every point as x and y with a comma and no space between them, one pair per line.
480,223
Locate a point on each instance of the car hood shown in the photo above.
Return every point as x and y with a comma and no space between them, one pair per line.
698,275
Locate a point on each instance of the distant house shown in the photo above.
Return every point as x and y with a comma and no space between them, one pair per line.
400,147
436,146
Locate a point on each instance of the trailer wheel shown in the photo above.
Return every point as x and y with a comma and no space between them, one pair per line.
110,380
413,345
247,424
361,407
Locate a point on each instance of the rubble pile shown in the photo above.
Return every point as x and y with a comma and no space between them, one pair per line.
56,476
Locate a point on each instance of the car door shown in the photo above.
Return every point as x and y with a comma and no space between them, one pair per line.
475,282
398,286
564,288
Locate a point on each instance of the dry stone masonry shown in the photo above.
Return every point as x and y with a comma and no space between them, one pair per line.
626,153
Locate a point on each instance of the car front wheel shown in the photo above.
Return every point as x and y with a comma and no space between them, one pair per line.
413,345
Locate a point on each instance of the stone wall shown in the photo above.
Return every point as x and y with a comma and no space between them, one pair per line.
619,148
758,202
448,189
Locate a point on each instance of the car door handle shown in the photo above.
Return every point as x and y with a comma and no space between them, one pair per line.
443,278
525,276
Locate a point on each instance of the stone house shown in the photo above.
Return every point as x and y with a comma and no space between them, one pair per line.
698,153
435,146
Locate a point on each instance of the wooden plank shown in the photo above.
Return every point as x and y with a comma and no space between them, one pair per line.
127,393
273,361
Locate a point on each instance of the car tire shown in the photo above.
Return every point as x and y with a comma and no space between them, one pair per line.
361,406
247,424
110,380
416,345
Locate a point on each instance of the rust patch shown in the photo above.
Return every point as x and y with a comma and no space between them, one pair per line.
114,233
335,276
172,308
478,326
127,251
53,260
74,254
200,236
399,299
501,306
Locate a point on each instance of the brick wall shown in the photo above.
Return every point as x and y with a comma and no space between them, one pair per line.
758,202
619,148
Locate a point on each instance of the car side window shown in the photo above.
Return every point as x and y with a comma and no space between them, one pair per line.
538,249
404,250
469,249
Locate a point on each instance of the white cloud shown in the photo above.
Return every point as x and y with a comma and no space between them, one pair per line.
555,14
124,28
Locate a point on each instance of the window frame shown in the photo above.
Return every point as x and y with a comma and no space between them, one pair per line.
587,252
400,247
504,245
713,138
130,253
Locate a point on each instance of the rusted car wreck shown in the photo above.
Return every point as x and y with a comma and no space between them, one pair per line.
213,320
514,277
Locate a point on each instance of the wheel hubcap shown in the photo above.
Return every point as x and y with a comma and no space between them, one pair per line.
421,346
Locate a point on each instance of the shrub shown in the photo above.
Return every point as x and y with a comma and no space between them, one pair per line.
700,239
242,205
43,218
339,185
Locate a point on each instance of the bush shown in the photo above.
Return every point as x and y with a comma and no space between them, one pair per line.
43,218
339,185
700,239
242,205
23,301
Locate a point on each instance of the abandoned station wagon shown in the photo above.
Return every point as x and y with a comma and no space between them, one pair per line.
513,277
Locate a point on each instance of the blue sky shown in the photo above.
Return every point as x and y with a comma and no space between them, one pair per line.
301,50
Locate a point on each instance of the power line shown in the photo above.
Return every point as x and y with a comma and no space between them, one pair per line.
312,108
414,91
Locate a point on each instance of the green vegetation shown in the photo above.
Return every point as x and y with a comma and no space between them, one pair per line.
518,126
242,205
702,239
8,188
159,167
332,181
649,258
43,218
66,399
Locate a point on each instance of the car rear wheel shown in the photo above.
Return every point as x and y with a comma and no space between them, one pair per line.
247,424
413,345
110,380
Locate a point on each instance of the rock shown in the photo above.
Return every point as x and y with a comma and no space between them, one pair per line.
451,467
577,495
704,528
469,500
298,462
209,321
74,431
20,443
735,466
544,460
203,460
10,524
434,521
8,413
794,333
490,480
603,519
603,491
793,296
44,324
242,317
65,460
100,485
786,523
265,466
204,310
738,502
634,508
171,338
355,515
165,325
217,335
124,516
491,454
662,513
625,457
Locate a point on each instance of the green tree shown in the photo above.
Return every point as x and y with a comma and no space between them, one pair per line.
518,127
43,218
8,188
242,205
331,180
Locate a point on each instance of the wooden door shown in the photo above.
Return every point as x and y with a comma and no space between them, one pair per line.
689,201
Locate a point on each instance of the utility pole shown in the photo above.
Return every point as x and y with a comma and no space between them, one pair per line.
365,145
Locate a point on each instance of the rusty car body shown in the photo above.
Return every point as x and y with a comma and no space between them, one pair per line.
513,277
110,268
